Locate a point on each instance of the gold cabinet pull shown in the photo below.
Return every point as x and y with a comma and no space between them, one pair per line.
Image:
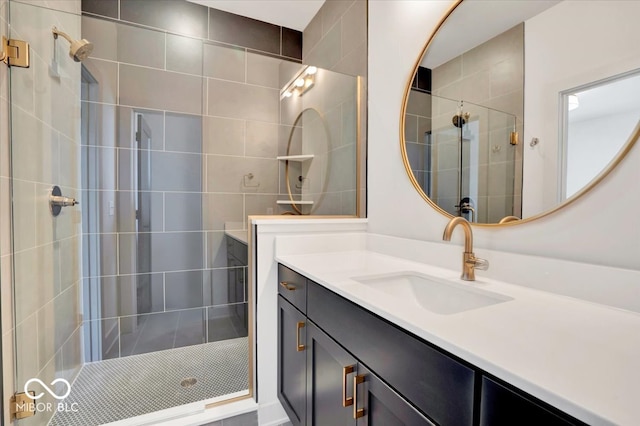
357,412
288,286
299,347
346,401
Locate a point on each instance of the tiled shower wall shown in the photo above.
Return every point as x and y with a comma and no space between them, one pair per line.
491,75
213,113
45,143
336,39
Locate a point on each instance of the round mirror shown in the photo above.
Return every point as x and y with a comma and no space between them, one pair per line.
516,108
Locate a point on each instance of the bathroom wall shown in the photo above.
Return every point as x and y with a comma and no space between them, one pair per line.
46,250
597,229
336,39
210,97
594,55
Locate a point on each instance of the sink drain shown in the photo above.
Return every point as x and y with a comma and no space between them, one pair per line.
188,382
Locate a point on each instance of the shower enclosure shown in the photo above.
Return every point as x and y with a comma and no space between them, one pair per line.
463,157
168,139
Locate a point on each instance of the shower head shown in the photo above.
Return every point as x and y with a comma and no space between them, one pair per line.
79,49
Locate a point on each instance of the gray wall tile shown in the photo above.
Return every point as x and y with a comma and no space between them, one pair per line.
184,54
262,139
183,211
183,133
291,43
227,174
183,290
141,46
221,208
103,34
176,172
225,63
139,87
101,7
175,16
263,70
191,328
242,31
234,100
226,322
106,75
157,332
175,251
223,136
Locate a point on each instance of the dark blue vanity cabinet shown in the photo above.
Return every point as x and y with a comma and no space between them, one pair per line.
340,364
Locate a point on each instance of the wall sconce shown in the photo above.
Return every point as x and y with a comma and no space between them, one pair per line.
299,84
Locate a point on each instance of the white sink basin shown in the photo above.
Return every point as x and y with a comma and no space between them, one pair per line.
433,294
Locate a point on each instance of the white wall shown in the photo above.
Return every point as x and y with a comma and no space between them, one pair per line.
593,143
572,52
599,228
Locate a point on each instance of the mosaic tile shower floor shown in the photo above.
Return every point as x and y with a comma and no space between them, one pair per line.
116,389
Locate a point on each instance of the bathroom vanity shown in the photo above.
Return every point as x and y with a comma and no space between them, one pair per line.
351,351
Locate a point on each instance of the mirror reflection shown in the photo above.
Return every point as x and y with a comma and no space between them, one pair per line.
524,108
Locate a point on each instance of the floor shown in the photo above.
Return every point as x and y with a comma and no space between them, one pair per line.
116,389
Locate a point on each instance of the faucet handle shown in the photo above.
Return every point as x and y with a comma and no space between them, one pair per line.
481,264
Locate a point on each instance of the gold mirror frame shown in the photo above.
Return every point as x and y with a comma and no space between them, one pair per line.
635,135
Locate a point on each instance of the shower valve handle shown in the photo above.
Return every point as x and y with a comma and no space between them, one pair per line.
57,201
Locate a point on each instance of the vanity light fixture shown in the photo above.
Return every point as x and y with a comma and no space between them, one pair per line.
299,84
574,102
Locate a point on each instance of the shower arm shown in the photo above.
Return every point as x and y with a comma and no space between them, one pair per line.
57,32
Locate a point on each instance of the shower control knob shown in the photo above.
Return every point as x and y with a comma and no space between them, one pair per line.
57,201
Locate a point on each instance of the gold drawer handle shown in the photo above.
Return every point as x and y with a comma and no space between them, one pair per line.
299,347
346,401
357,413
288,286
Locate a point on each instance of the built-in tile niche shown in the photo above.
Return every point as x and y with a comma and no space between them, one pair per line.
169,143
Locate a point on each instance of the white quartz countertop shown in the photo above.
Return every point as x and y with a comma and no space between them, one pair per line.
240,235
580,357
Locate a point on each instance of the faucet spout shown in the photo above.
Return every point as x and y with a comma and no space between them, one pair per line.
469,260
468,235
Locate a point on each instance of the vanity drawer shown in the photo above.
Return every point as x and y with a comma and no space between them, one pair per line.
438,385
293,287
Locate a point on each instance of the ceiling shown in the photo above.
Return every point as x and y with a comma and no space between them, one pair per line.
295,14
477,21
617,97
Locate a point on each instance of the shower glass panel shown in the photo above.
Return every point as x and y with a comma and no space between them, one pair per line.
463,158
45,151
319,144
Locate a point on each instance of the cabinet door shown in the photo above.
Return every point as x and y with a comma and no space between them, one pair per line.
292,379
330,372
501,406
379,405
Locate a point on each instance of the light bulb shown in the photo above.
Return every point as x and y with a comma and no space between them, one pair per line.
287,94
574,102
312,70
300,82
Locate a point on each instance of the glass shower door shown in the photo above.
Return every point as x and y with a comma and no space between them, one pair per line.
45,152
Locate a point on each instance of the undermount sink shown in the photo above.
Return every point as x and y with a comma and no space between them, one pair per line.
437,295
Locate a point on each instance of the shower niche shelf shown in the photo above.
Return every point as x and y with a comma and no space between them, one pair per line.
306,203
298,158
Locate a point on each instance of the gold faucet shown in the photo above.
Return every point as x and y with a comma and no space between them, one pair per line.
469,260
